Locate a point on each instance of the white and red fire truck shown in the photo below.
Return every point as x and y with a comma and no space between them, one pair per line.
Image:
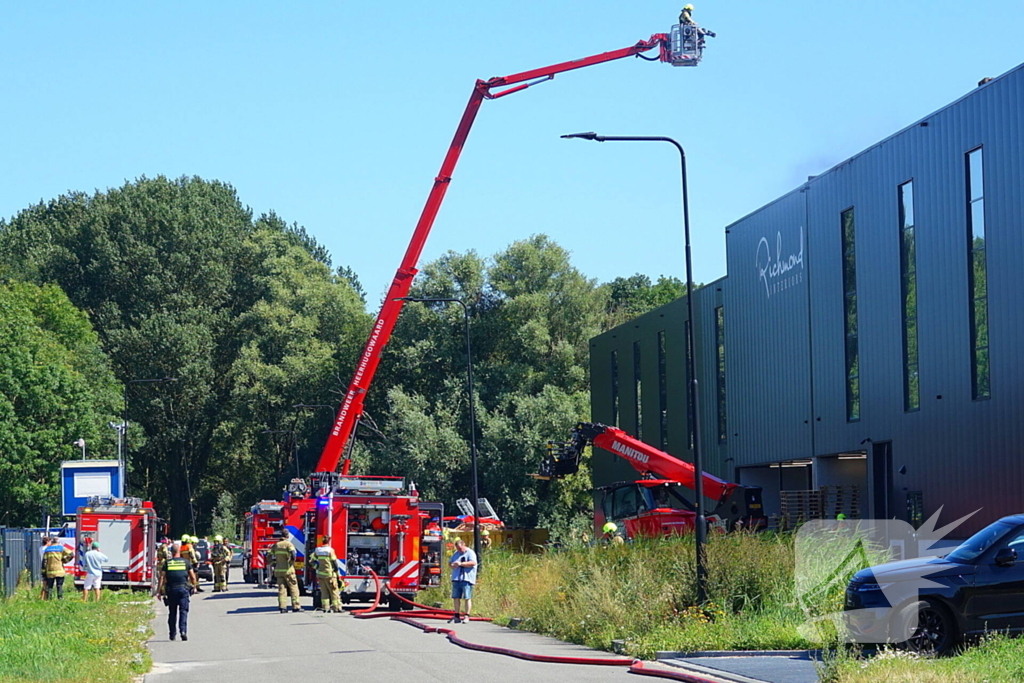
127,530
261,526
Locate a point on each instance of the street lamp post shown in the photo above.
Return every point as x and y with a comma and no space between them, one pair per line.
472,415
700,530
124,419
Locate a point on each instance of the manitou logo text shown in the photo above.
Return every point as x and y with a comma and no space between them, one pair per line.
779,272
631,453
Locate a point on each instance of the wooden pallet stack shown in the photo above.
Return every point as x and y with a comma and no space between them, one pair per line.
827,502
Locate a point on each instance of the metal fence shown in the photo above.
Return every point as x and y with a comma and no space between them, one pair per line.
19,557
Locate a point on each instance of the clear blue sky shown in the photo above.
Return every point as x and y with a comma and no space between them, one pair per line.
337,114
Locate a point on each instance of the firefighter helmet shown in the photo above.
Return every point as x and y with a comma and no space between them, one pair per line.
218,539
689,7
185,538
610,527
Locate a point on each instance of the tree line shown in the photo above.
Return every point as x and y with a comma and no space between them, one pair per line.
176,278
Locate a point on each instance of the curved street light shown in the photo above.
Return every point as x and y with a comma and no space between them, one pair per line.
700,526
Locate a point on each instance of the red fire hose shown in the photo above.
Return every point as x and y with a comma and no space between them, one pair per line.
427,612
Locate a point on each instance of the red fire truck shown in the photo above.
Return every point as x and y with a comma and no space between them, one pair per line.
375,525
261,524
127,530
372,524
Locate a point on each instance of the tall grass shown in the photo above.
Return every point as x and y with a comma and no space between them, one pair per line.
997,659
645,593
73,641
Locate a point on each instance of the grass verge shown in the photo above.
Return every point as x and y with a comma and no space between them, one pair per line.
996,659
70,641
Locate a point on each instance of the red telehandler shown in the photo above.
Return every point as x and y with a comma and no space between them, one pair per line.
653,506
338,504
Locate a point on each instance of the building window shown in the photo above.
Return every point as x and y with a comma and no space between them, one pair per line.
850,317
638,413
720,374
662,391
691,423
908,290
978,275
615,388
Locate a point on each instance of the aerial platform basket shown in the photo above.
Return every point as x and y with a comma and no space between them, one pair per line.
687,46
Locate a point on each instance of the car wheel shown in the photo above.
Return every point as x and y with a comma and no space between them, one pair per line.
934,633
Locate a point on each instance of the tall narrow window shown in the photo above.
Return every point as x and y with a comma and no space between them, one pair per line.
638,413
691,422
978,275
908,290
662,391
850,317
615,388
720,374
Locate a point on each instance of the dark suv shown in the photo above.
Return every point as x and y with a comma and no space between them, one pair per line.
930,604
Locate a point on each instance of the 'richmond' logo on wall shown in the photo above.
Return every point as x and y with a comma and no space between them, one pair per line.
777,271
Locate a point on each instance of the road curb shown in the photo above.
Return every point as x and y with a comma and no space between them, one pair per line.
705,674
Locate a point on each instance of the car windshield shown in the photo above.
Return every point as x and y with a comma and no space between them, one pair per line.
974,546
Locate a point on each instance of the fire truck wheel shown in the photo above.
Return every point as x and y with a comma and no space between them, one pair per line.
395,605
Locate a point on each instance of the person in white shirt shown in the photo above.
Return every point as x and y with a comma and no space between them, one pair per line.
93,563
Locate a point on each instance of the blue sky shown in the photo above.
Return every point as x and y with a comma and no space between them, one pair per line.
337,114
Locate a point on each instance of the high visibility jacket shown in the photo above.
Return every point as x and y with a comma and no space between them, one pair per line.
54,557
220,553
283,553
326,561
190,554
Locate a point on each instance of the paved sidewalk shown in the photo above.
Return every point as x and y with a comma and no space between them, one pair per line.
750,667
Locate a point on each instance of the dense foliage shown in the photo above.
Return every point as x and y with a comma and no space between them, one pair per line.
56,387
179,280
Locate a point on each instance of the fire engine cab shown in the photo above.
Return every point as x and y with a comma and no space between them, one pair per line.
127,530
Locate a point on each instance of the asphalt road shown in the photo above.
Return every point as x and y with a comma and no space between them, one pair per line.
240,636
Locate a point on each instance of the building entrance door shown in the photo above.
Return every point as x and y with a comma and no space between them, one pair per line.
881,480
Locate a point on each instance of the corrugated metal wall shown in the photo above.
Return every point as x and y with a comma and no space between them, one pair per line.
783,303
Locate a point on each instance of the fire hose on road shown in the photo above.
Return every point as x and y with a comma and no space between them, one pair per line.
426,612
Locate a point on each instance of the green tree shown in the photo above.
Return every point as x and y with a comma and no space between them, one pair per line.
532,315
56,386
180,281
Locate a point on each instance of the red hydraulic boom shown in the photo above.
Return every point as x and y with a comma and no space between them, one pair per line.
683,47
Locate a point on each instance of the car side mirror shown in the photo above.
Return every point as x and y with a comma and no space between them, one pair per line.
1006,557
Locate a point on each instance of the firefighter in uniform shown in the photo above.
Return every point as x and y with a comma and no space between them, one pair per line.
220,555
163,551
189,552
283,554
55,555
325,561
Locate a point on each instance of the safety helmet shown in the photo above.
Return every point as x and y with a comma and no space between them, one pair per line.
689,7
218,538
610,527
485,532
185,538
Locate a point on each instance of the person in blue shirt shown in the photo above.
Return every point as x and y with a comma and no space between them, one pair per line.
93,564
463,565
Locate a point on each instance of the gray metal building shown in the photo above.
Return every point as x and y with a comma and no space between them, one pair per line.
867,334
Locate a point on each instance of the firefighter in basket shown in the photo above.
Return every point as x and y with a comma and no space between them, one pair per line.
283,554
325,561
220,555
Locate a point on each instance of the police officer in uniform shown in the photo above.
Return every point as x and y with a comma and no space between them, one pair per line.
283,554
325,561
177,582
220,556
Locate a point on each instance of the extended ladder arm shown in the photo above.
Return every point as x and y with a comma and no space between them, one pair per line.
351,410
563,459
